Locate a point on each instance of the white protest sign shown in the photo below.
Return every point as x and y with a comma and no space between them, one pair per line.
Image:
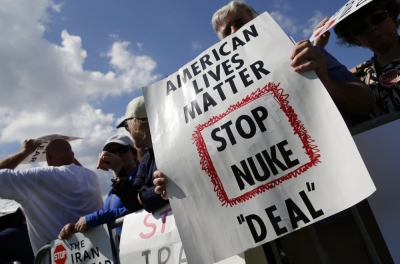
40,153
252,150
8,207
350,7
93,246
153,238
380,150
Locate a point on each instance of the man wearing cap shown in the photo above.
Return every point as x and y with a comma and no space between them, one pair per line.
118,152
137,125
50,196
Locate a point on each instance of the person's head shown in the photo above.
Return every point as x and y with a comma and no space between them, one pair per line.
124,148
136,123
59,153
231,17
363,26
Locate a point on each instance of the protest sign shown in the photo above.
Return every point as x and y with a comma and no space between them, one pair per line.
350,7
379,148
93,246
40,153
252,150
8,207
153,238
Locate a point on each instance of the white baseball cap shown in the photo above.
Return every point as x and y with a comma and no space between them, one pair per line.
135,109
120,139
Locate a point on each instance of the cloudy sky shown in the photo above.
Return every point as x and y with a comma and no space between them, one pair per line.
71,67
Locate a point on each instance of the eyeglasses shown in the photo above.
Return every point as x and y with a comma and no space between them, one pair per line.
121,150
141,120
375,19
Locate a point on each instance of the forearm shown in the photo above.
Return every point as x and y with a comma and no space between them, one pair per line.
352,97
151,201
11,162
104,216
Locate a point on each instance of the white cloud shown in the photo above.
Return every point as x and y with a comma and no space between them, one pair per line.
57,7
286,23
281,4
291,26
312,23
139,45
45,88
196,46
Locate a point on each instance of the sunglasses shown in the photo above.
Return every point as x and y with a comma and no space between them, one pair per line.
375,19
121,150
141,120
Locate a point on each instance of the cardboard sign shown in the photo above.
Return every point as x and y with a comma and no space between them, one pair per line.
8,207
350,7
40,153
252,150
153,238
93,246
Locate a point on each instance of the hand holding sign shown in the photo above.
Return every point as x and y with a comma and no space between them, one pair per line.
29,146
323,39
160,183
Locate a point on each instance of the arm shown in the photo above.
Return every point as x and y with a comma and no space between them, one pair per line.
27,148
349,93
104,216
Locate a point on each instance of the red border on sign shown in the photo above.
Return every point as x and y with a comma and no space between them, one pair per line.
298,129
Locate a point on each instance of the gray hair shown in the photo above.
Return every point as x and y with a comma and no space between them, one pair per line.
232,7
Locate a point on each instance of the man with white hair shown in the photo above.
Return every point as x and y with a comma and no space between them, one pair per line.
50,196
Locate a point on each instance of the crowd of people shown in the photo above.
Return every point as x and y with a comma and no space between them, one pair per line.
64,197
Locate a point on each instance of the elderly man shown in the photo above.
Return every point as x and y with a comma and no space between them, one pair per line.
50,196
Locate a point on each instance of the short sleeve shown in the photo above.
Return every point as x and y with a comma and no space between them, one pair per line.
17,185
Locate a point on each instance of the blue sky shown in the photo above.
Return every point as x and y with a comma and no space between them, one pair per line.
71,67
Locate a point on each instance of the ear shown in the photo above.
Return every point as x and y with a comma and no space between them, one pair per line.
48,159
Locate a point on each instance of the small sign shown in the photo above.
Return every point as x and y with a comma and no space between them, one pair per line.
39,154
93,246
349,8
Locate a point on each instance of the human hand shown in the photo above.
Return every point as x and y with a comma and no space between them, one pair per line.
81,226
67,231
108,161
323,39
306,57
160,182
29,146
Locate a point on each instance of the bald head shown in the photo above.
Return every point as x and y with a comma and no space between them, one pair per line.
59,153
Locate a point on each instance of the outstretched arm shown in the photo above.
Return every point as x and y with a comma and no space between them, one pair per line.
27,148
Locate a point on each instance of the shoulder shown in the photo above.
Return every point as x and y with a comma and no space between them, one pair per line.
361,69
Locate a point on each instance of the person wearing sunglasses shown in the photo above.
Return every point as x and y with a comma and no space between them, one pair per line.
118,153
137,125
374,27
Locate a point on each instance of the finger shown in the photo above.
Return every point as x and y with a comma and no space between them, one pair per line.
302,57
299,47
164,195
321,23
